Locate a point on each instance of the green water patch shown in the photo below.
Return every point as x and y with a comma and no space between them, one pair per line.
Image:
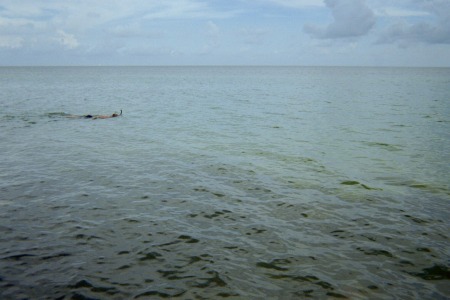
383,146
430,187
357,183
286,158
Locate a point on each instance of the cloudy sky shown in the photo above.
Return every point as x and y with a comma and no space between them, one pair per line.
225,32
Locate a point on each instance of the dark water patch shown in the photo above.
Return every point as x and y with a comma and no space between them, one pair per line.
428,187
220,195
150,256
342,234
237,249
384,146
215,280
167,293
59,255
336,295
436,272
82,236
187,239
81,284
79,296
124,267
169,243
18,257
424,250
132,221
350,182
376,252
369,237
406,263
357,183
84,284
205,190
256,231
214,215
223,214
416,219
266,265
193,260
271,265
174,274
227,295
305,279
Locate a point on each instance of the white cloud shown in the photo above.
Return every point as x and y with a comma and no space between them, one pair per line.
406,33
212,34
400,12
253,36
11,42
186,9
212,29
296,3
135,30
67,40
155,31
432,30
352,18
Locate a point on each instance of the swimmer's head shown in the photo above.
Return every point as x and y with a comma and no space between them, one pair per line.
114,115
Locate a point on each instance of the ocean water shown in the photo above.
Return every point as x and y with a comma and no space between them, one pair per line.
225,182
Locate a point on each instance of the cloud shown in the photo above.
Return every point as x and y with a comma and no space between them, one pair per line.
212,29
253,36
135,30
67,40
404,33
433,30
296,3
400,12
213,37
11,42
352,18
185,9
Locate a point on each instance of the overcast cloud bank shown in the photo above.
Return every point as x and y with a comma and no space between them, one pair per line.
189,32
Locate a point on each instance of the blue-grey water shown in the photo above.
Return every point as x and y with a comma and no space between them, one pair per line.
225,182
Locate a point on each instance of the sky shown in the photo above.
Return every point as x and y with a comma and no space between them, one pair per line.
225,32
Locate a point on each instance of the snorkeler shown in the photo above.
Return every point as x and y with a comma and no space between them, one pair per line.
93,117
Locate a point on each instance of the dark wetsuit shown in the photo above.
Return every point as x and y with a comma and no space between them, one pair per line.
88,116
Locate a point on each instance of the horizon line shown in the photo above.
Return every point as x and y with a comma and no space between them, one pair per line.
224,65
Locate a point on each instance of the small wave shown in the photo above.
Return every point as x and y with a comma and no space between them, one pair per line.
57,114
424,186
385,146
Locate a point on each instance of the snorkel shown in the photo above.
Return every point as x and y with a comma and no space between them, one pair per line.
116,114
